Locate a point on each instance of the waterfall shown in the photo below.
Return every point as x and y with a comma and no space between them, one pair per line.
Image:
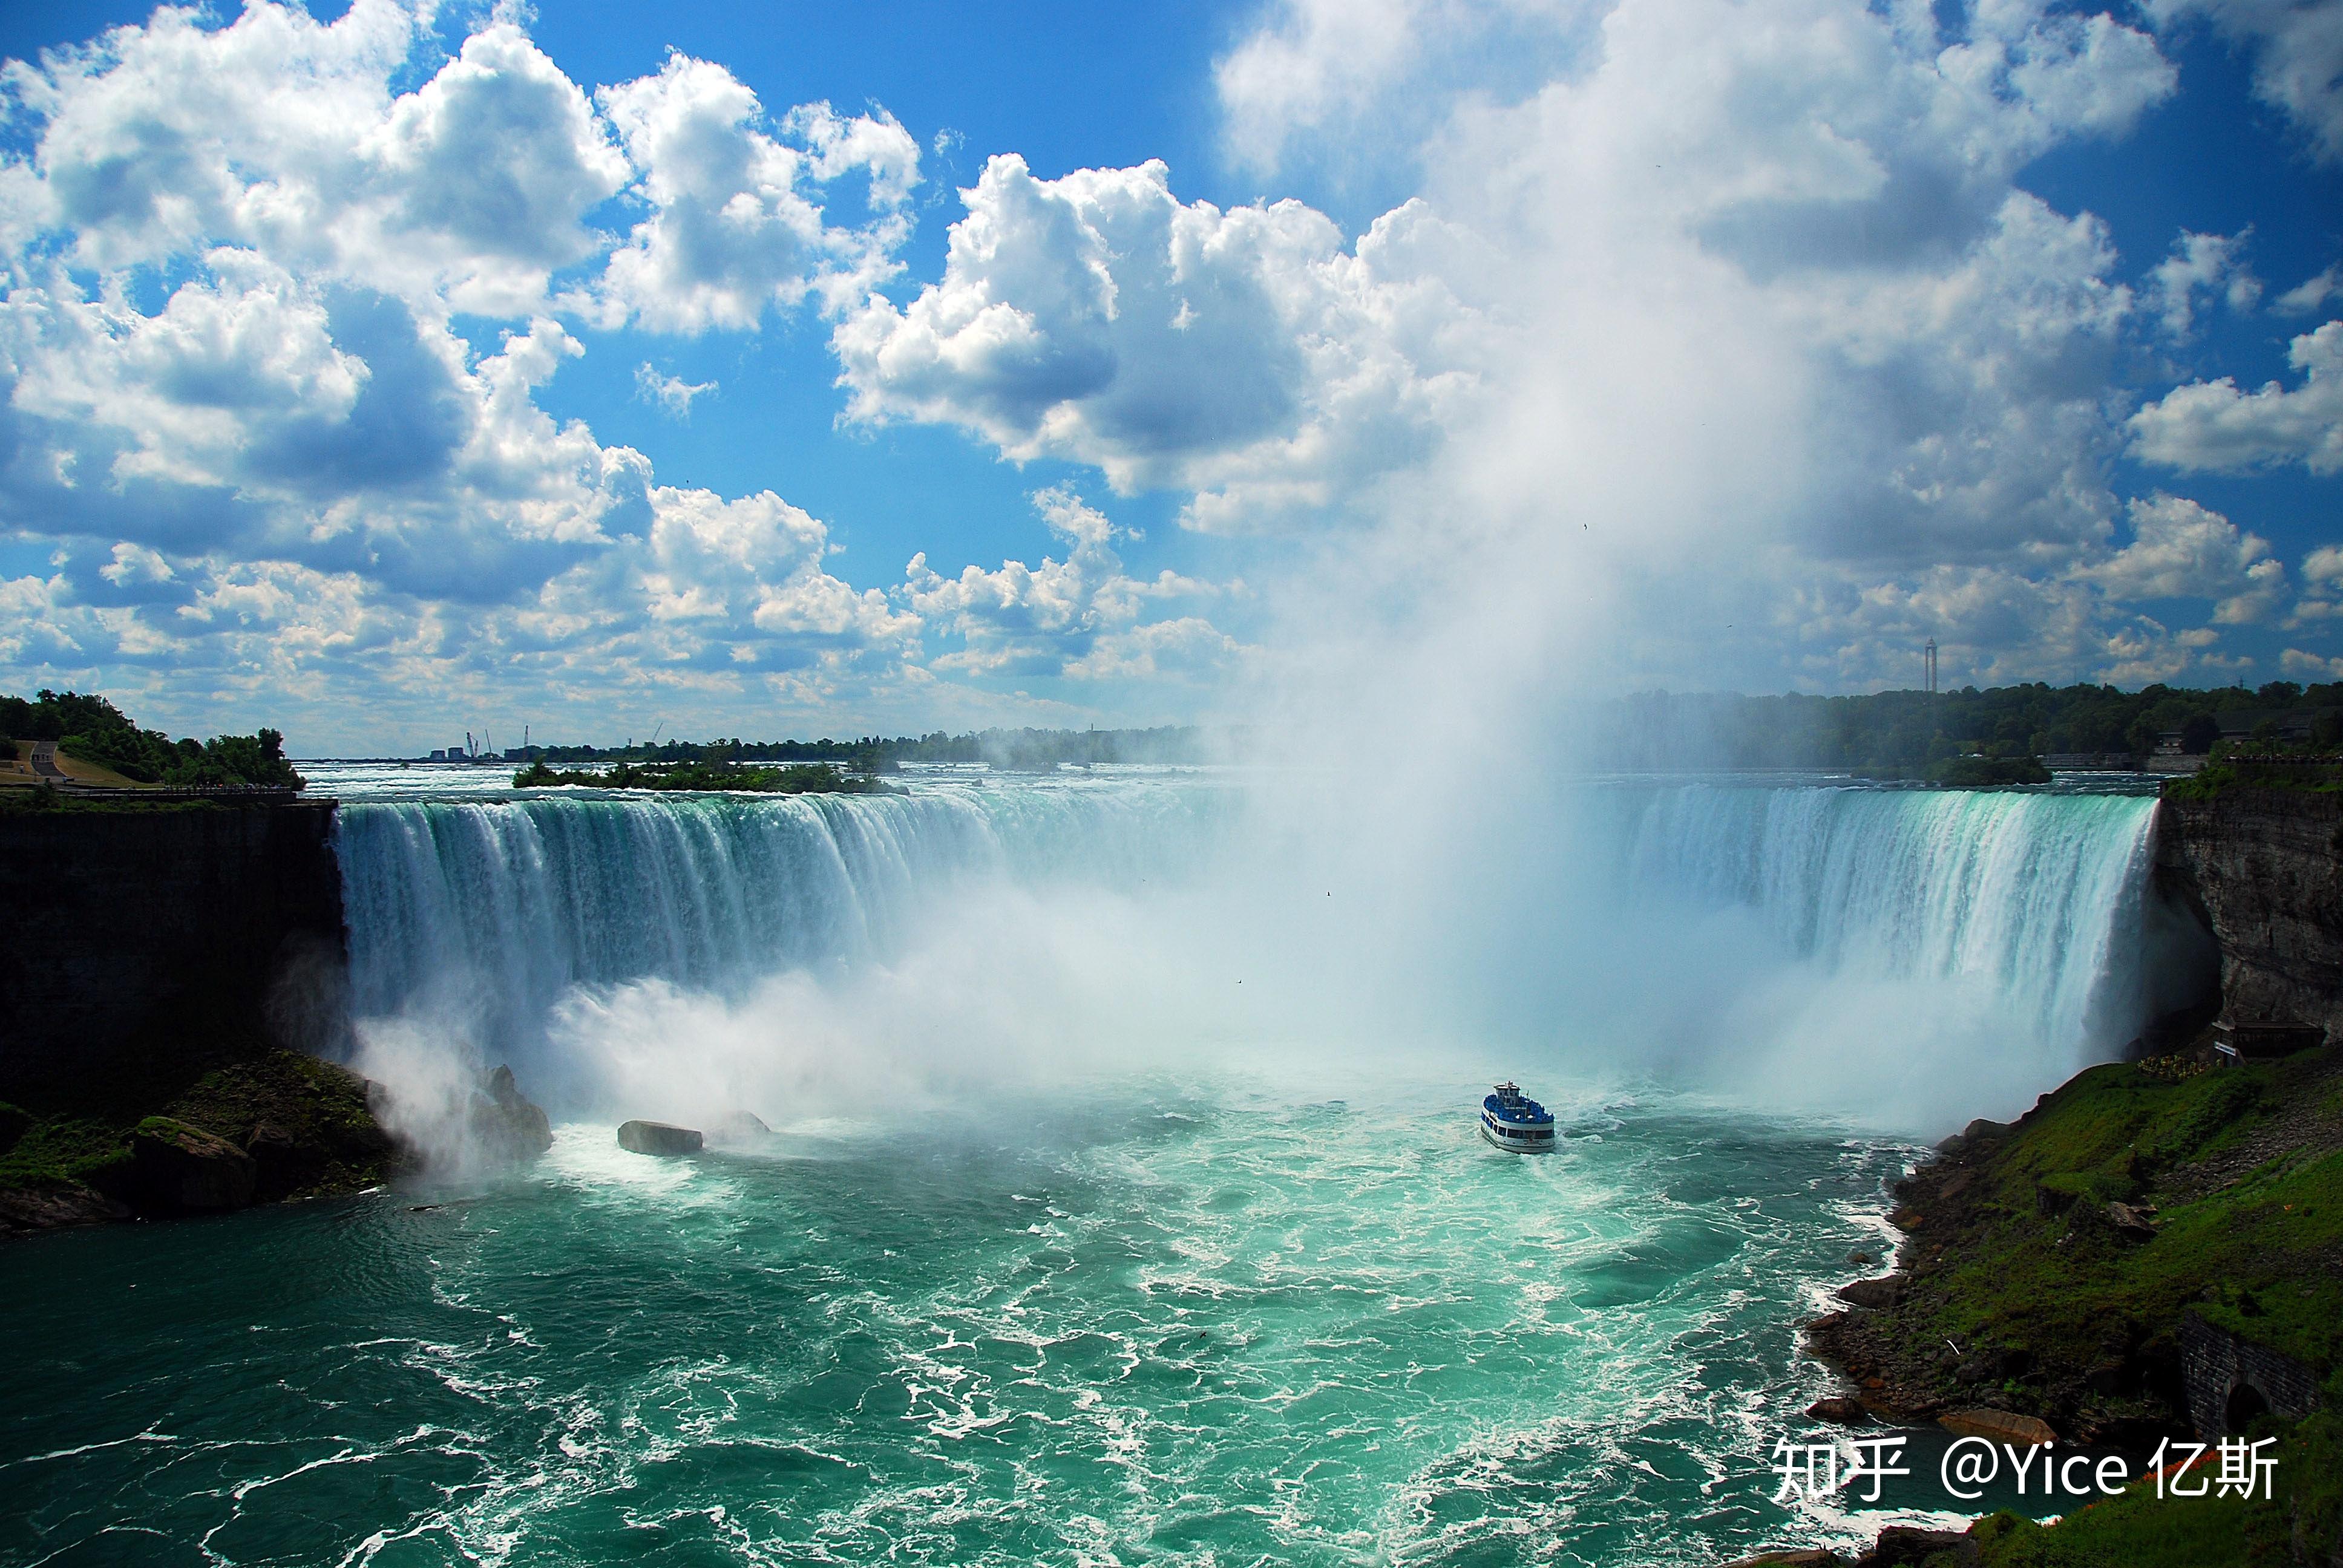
2044,898
488,912
1924,938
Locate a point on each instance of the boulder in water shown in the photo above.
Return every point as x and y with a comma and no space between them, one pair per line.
1838,1408
1883,1291
282,1163
658,1138
504,1124
740,1130
1998,1426
178,1167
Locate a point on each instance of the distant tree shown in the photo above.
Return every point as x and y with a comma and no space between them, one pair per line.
2198,735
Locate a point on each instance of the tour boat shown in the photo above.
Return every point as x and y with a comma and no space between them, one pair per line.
1512,1119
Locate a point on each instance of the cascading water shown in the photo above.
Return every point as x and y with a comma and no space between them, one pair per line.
486,912
2042,896
2028,912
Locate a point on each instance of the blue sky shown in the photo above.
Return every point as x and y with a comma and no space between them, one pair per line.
380,372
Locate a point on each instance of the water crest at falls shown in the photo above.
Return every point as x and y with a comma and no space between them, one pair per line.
2045,898
2023,919
486,911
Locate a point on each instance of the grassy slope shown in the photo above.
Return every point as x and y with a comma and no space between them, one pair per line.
2142,1530
2264,1241
17,770
2008,1252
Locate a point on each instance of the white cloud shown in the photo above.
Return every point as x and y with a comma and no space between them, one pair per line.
473,192
137,564
2308,295
1077,617
293,471
2316,666
280,133
2180,550
1361,75
2322,574
2298,49
2201,264
736,223
1246,354
2212,426
672,393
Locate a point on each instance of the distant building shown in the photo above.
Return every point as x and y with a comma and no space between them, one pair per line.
440,756
2290,723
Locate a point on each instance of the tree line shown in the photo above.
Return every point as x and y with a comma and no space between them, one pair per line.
1916,732
88,727
1026,750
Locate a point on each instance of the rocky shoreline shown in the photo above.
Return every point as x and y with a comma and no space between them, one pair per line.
2153,1252
272,1128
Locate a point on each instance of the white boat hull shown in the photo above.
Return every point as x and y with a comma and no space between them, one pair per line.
1534,1141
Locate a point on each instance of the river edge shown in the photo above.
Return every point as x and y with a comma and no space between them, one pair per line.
2153,1252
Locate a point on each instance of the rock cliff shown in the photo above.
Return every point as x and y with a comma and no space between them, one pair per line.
145,943
2265,867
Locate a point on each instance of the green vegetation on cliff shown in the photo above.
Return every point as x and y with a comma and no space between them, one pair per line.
2050,1268
1015,749
90,728
1988,772
2241,771
807,779
2300,1523
303,1121
2243,1168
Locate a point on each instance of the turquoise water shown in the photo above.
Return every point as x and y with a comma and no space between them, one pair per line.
1196,1323
1200,1307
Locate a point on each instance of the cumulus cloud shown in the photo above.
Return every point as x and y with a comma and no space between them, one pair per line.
2180,550
1361,73
2212,426
1787,238
1077,617
2322,581
1711,319
294,467
1248,355
2298,53
2201,264
734,222
281,134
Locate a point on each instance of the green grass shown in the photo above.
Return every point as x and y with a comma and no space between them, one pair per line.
2025,1275
2140,1529
2313,778
2020,1258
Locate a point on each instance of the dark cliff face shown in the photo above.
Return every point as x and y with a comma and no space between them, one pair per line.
146,944
2265,866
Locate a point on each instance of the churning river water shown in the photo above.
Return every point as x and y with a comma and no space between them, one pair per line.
1158,1314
